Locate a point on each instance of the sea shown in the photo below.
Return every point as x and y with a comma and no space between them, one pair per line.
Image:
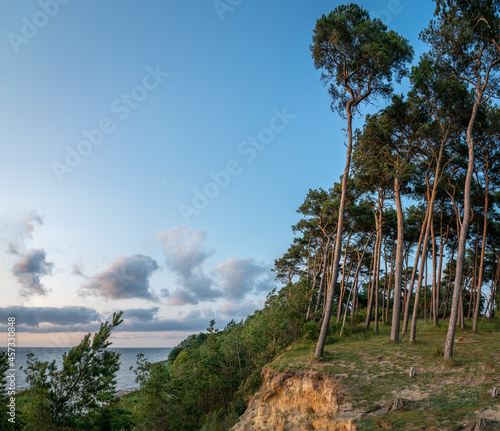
125,377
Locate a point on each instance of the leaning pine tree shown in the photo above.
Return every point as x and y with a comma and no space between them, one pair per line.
359,57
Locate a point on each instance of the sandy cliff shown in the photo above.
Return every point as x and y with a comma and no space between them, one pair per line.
295,400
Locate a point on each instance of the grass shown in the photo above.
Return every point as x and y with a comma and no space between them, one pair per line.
444,395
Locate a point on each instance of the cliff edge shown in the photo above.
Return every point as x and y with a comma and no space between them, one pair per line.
295,400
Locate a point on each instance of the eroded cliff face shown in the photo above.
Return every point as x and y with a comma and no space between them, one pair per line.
295,400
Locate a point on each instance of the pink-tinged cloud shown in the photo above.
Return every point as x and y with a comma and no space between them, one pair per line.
126,278
29,270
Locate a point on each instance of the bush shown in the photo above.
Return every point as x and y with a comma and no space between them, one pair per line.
311,331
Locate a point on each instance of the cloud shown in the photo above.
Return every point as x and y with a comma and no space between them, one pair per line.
25,229
146,320
29,269
140,314
78,270
13,248
185,253
183,248
125,278
241,277
33,317
165,325
31,221
194,321
83,319
239,309
193,289
181,296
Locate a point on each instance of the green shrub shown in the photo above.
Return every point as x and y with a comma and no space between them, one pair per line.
311,331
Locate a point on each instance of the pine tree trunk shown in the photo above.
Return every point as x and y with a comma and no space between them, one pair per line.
322,279
428,221
472,295
385,281
447,296
389,284
377,275
355,282
442,243
369,304
464,228
376,266
413,275
494,290
434,276
396,309
483,252
423,261
338,243
343,283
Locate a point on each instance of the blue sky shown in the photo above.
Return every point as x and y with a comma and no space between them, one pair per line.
170,213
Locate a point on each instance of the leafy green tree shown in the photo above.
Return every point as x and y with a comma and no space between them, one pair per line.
189,342
319,211
482,15
36,412
155,410
359,58
85,386
291,264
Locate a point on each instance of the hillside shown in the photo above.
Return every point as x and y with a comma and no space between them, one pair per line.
366,379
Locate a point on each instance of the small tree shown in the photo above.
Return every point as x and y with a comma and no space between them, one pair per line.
86,383
154,410
36,412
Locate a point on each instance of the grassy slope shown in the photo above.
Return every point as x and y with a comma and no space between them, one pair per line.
442,396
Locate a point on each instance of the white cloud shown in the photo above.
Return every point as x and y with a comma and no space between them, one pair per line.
184,249
125,278
239,309
241,277
23,232
29,269
185,254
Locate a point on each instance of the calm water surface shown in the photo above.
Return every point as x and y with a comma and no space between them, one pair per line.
125,378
